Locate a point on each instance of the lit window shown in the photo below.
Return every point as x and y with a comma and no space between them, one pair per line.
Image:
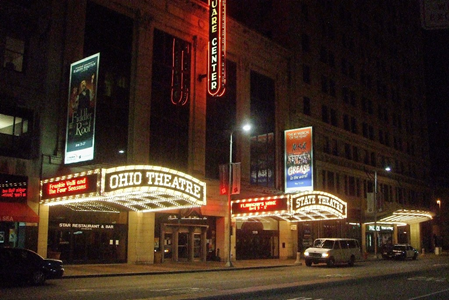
11,125
14,53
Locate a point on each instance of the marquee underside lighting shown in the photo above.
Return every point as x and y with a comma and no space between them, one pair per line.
408,216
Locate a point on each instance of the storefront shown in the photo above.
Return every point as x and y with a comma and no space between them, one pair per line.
109,215
281,225
18,222
397,225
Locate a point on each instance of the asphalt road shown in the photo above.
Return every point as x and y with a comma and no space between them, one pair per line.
367,280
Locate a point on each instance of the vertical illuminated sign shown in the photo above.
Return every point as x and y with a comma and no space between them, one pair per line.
298,160
81,108
216,79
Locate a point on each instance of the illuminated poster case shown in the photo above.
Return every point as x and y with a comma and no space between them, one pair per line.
298,166
81,109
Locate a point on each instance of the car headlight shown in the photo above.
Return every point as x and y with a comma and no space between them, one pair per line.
306,253
325,255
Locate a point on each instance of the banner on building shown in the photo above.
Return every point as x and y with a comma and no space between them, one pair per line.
81,110
435,14
298,160
236,171
371,205
224,179
235,179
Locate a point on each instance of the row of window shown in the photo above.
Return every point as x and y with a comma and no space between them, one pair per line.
330,116
328,86
369,158
361,187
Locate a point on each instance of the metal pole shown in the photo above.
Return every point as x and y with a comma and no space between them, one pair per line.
375,214
229,262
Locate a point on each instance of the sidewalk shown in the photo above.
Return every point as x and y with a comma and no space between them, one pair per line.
169,267
95,270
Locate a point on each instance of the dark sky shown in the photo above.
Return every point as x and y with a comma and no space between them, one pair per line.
437,80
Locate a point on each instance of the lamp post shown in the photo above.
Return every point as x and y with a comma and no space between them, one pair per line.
388,169
439,207
246,127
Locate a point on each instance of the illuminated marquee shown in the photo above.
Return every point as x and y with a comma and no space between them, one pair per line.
322,205
260,206
69,186
13,188
136,187
119,179
217,48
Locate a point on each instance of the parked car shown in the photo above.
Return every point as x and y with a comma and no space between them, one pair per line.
400,251
333,251
26,266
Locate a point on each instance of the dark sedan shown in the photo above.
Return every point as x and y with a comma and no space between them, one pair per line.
23,265
400,251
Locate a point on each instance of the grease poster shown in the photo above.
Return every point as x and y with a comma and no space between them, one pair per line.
298,160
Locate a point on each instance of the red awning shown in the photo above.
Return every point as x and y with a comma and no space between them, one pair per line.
17,212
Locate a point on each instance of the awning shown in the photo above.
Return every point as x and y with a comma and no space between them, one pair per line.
408,216
17,212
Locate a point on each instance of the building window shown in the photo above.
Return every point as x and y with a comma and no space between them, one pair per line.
353,98
16,132
345,94
346,124
324,84
348,151
14,52
170,105
306,73
335,147
355,153
306,106
323,54
325,114
305,42
354,125
262,142
332,88
334,119
326,146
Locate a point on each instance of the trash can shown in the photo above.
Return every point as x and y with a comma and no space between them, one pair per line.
438,250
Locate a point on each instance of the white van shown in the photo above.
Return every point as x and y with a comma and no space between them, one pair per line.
333,251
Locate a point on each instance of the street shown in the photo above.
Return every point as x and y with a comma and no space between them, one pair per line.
366,280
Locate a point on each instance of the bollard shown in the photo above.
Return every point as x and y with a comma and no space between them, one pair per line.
423,251
298,259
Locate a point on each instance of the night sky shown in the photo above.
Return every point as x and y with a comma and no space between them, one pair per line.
436,49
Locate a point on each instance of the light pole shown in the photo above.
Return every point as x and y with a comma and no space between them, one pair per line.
439,207
246,127
388,169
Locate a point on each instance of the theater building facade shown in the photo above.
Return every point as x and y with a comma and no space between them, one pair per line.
119,120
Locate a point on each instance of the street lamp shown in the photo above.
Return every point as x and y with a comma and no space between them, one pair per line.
246,128
388,169
439,206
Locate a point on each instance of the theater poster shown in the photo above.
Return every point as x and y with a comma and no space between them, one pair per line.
82,98
298,160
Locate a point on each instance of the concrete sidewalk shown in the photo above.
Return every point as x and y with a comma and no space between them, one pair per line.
95,270
169,267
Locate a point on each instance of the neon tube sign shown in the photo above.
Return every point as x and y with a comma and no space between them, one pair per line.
216,79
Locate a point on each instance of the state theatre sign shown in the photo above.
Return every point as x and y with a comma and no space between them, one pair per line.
311,206
136,187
